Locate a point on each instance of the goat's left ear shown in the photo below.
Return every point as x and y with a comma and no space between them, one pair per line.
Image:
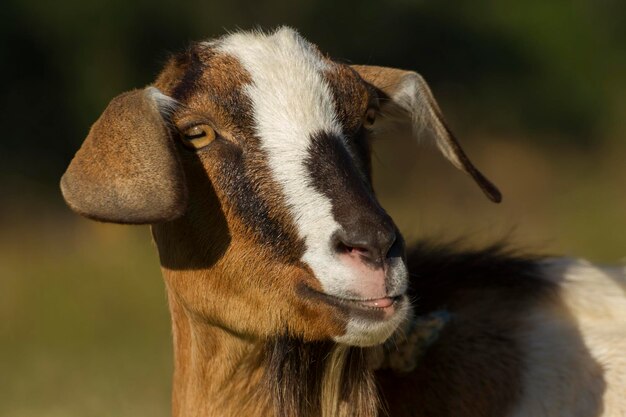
405,97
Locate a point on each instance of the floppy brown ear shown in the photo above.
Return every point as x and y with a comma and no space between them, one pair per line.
127,170
407,97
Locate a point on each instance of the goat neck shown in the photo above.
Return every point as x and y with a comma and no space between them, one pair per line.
220,373
216,372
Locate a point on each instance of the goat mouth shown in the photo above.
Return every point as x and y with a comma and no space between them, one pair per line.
369,304
374,308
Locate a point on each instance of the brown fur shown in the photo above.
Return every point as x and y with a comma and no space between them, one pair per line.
352,99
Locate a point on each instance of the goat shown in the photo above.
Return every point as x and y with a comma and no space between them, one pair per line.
288,283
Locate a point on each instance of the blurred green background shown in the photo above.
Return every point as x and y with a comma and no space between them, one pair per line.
535,90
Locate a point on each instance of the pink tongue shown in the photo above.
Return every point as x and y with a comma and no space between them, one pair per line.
379,303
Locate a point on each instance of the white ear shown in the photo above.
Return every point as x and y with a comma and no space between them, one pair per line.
406,97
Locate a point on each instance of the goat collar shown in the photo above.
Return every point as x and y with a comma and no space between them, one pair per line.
403,351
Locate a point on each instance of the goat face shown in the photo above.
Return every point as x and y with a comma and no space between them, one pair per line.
250,156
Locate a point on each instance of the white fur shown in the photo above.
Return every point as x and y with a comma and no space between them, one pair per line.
165,104
575,346
292,102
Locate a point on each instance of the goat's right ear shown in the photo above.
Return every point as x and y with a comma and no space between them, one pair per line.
128,170
406,97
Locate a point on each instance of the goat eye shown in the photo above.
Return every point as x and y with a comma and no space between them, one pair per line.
197,136
369,118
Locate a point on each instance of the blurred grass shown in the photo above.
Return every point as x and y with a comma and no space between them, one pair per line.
84,328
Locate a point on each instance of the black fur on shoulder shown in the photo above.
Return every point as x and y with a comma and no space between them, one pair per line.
476,365
440,272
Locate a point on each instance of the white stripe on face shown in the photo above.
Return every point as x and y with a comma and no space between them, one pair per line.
292,102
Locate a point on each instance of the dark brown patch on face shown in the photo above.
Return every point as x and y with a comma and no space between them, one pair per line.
193,69
354,205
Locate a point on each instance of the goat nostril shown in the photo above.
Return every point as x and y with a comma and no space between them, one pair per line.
350,249
361,250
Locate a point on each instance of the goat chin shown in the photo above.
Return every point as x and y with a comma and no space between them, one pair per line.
364,333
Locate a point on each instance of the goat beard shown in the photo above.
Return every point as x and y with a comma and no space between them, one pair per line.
312,379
